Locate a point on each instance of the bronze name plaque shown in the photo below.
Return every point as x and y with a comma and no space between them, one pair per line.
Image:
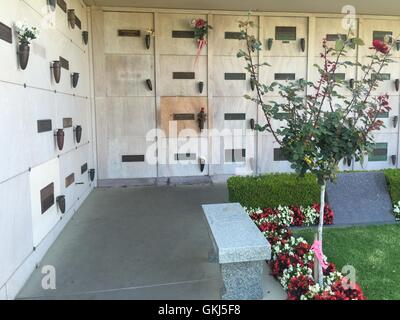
285,76
278,155
183,34
129,33
185,156
133,158
64,63
44,125
235,76
84,168
183,75
233,35
235,116
47,197
183,116
5,33
69,180
67,123
334,37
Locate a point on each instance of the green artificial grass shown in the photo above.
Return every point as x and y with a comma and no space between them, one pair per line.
273,190
372,250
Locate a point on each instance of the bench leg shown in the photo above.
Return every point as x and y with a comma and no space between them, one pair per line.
242,281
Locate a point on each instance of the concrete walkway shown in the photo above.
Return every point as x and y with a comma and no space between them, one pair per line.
138,243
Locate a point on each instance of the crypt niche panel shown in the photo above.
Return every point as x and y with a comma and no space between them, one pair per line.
233,113
176,35
390,76
226,34
181,76
183,116
284,36
376,29
183,157
329,29
270,158
230,77
129,76
384,153
282,69
125,33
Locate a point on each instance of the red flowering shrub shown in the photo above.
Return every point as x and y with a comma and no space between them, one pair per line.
328,213
341,293
299,286
298,216
302,248
283,262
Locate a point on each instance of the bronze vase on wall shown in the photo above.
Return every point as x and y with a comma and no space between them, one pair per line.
92,173
71,18
52,4
148,41
78,133
23,54
56,71
61,203
75,79
60,139
85,37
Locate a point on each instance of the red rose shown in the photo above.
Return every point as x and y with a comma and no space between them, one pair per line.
200,23
380,46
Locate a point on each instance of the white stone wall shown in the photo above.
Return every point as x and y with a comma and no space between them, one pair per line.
29,160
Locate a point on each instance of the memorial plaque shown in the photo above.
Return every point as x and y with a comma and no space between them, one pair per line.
381,76
380,35
233,35
285,33
183,116
5,33
337,76
63,5
183,75
64,63
285,76
69,180
183,34
133,158
44,125
185,156
334,37
379,152
67,123
235,116
47,197
235,155
278,155
383,115
129,33
84,168
235,76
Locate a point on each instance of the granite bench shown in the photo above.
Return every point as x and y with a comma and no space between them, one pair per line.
240,248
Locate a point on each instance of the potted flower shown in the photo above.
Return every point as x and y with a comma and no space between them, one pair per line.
200,29
25,35
149,35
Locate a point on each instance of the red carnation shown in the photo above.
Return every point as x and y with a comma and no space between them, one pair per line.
380,46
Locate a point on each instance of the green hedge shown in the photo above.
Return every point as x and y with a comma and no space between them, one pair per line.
272,190
393,182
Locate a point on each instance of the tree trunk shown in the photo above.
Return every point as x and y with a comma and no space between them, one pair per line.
319,235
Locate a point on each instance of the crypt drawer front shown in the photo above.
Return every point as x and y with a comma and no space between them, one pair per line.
128,157
226,34
230,77
390,76
125,33
375,29
120,117
347,74
181,76
69,178
383,155
282,70
180,116
44,188
176,34
183,156
270,157
284,36
231,154
128,75
330,29
233,115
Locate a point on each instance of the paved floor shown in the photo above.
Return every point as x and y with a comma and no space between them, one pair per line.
138,243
